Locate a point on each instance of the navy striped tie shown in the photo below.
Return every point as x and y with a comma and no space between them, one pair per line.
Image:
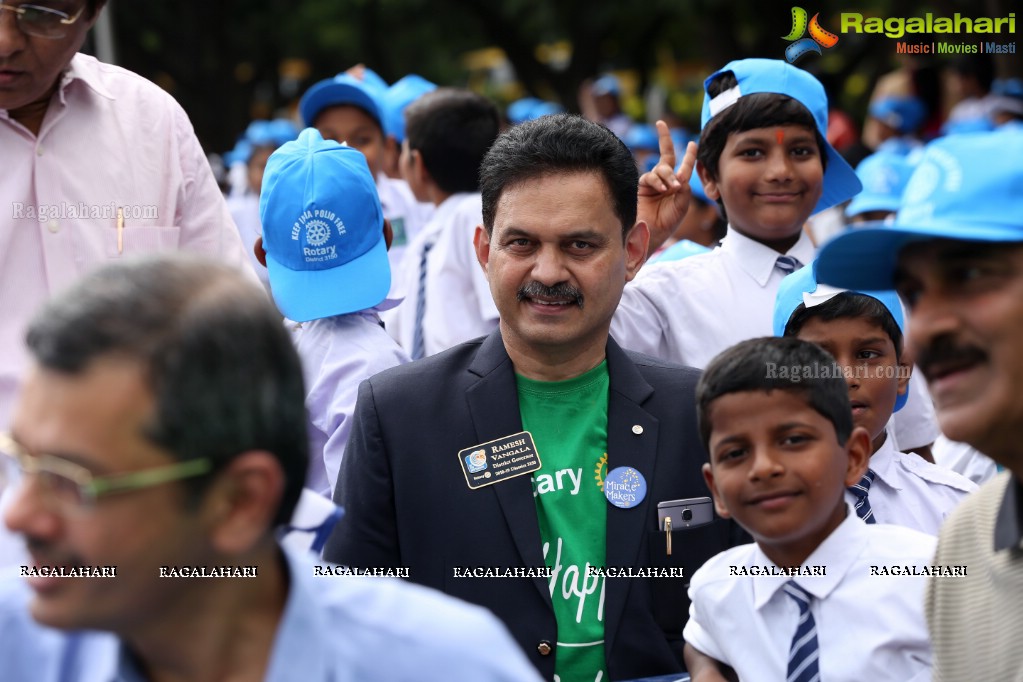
860,492
803,653
787,264
418,343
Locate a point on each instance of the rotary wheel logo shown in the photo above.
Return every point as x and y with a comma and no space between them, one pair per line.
317,232
601,471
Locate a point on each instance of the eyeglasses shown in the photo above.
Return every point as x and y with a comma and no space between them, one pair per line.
74,486
42,22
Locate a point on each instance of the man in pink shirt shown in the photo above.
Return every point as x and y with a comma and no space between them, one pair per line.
98,164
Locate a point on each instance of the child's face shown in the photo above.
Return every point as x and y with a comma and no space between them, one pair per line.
770,180
874,374
356,128
778,469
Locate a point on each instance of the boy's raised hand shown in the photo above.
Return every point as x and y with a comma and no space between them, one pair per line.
664,195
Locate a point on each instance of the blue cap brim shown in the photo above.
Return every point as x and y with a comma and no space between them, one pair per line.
840,180
329,93
866,258
864,202
313,294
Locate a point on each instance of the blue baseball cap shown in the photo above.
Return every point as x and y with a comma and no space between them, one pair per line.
904,114
344,89
967,187
802,287
322,230
521,110
642,137
775,76
402,93
884,177
607,85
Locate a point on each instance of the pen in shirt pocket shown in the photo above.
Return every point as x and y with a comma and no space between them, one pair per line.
120,230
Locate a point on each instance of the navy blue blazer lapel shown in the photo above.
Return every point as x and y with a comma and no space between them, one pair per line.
494,407
627,445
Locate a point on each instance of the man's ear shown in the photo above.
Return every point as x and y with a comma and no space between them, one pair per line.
260,252
637,241
481,240
243,501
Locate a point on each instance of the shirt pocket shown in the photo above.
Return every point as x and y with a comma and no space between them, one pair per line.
137,239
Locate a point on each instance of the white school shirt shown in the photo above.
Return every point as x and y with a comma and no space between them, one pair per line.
407,215
338,353
910,491
459,305
964,459
869,627
690,310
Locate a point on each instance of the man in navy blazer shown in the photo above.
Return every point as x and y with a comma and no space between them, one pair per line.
474,468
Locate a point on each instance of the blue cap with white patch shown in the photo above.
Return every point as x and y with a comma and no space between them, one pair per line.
775,76
801,287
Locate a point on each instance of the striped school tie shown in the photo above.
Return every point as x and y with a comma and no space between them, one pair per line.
418,344
803,653
787,264
860,492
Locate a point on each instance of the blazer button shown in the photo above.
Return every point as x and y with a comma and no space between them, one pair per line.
545,648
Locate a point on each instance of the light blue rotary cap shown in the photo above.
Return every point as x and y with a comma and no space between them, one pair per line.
322,230
402,93
966,187
775,76
884,177
801,287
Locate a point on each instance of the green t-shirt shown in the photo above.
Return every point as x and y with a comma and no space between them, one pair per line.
568,421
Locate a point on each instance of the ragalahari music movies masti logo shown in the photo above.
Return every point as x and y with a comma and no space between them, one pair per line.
818,36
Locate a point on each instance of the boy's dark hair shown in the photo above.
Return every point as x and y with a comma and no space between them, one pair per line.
222,368
759,110
846,305
560,143
777,364
452,129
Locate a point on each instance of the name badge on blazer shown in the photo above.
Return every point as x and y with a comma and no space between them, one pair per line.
498,460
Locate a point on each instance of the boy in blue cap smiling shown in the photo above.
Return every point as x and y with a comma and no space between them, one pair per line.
764,158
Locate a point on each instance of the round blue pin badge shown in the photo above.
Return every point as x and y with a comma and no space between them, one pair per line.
624,487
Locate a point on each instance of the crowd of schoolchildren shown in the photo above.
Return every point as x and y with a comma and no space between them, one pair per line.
856,473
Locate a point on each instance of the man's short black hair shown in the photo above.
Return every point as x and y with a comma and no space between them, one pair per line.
222,368
759,110
452,129
560,143
771,364
846,305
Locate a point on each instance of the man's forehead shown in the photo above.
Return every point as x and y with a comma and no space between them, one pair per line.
107,398
920,257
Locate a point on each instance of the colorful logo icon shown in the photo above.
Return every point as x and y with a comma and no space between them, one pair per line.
476,461
818,36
